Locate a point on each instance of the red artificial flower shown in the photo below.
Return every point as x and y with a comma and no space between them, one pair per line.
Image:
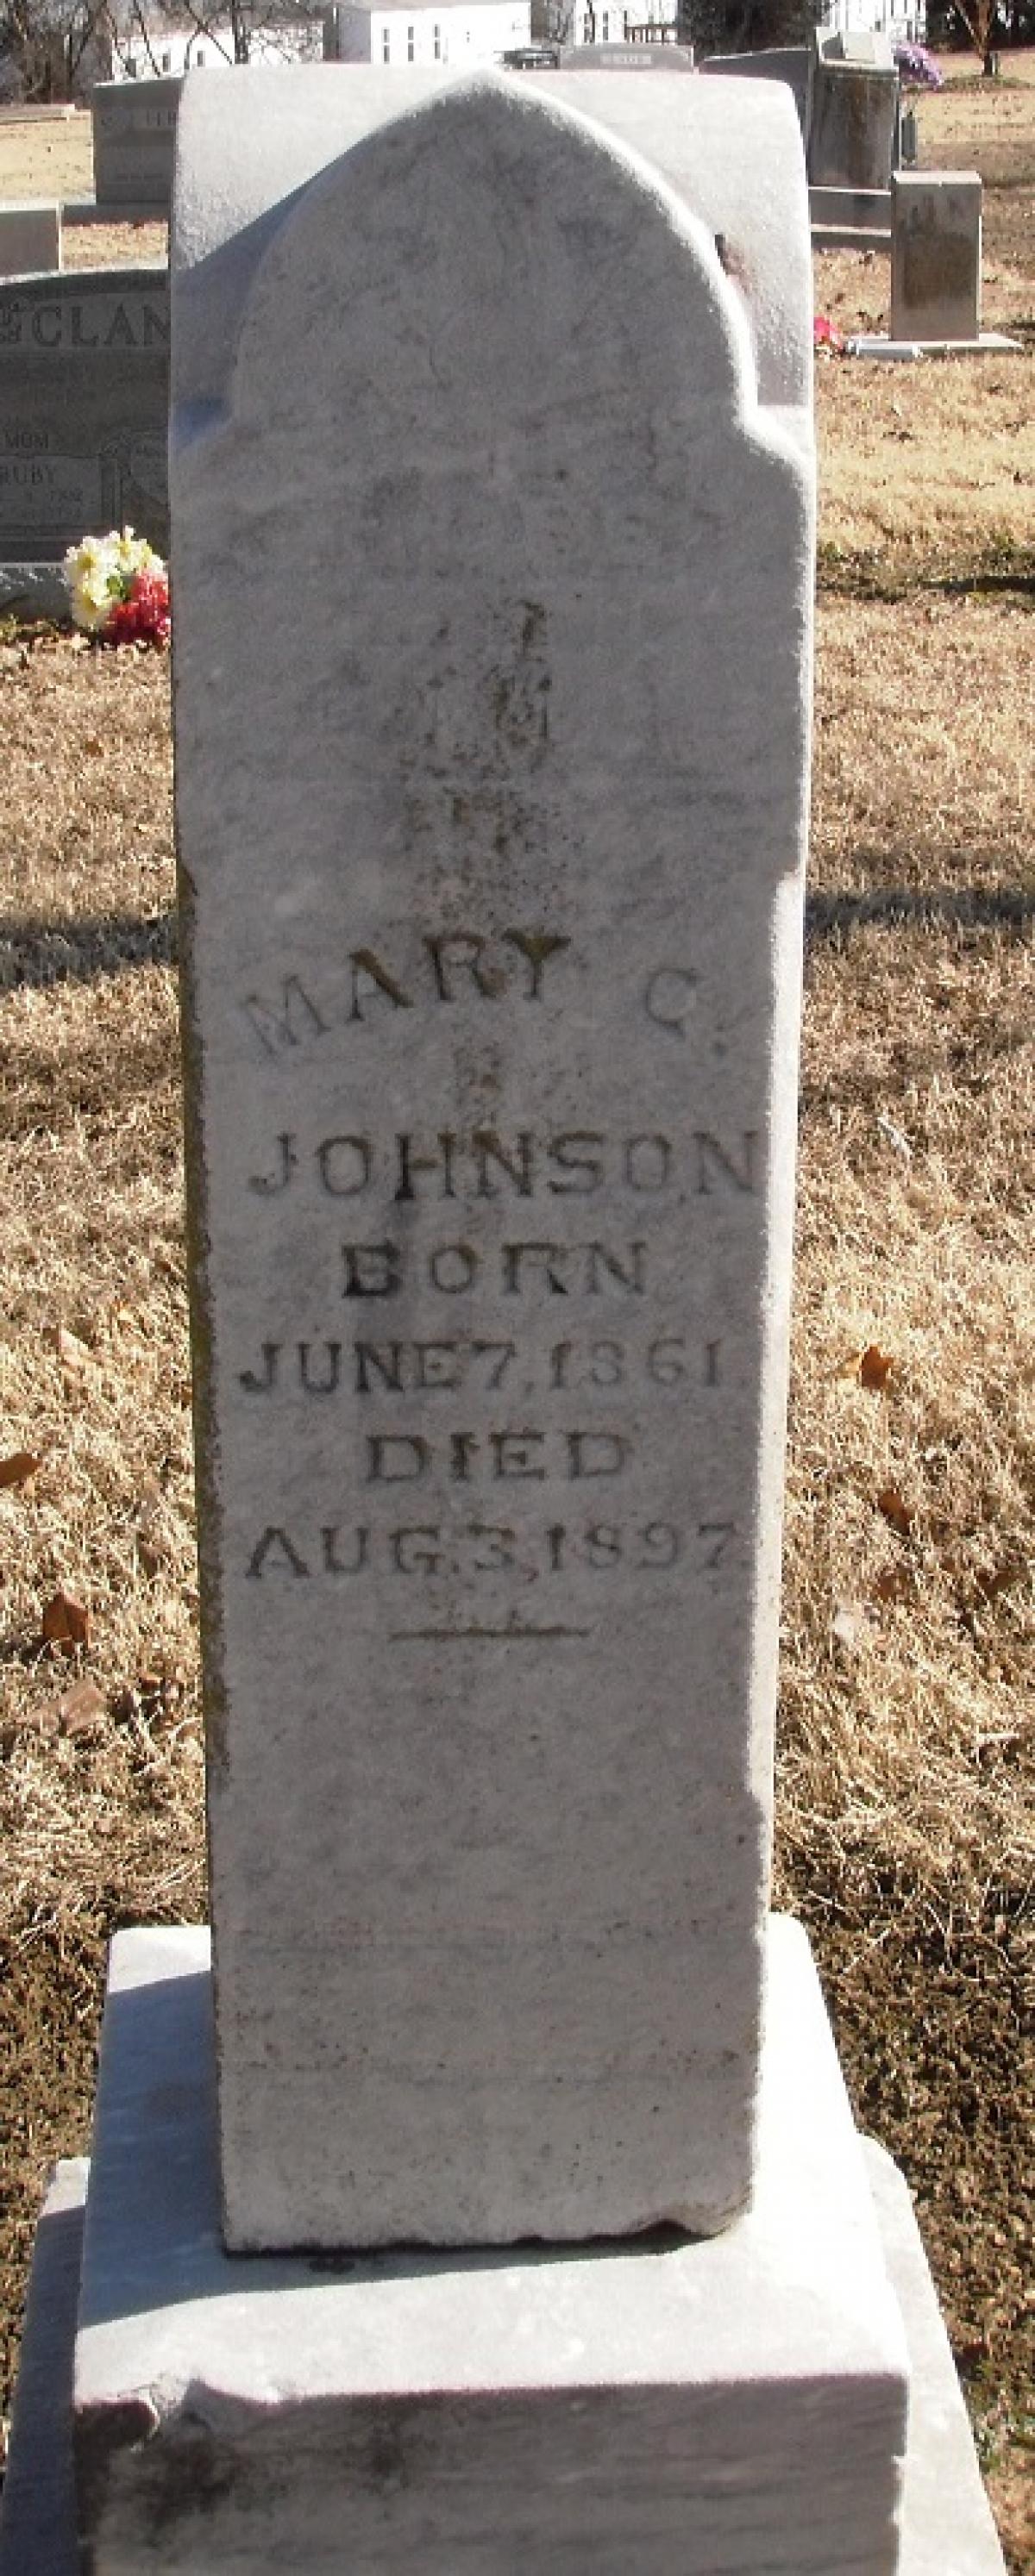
143,617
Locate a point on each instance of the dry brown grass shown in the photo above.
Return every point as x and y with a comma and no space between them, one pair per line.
54,158
906,1743
51,157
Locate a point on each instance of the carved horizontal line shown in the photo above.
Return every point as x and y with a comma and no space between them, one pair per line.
410,1636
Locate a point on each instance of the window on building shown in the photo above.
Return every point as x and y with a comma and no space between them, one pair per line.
386,44
410,43
166,62
605,25
436,39
587,28
200,55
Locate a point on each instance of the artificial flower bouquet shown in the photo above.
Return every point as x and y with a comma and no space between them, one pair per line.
118,589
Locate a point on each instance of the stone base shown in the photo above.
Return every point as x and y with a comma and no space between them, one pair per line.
989,344
714,2408
30,590
850,237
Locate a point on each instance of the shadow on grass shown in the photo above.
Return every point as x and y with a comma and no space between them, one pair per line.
841,574
40,952
832,916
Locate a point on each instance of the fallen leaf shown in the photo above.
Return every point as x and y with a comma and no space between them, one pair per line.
875,1368
889,1501
74,1355
92,743
17,1469
850,1625
65,1623
82,1711
1000,1578
893,1584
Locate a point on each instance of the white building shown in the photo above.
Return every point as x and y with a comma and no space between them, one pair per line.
616,22
464,33
902,21
170,50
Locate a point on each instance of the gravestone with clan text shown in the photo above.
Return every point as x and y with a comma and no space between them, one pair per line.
84,397
492,1036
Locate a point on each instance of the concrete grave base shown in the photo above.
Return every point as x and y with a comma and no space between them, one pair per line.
715,2407
32,590
989,344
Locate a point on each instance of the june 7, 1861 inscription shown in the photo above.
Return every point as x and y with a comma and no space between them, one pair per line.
491,640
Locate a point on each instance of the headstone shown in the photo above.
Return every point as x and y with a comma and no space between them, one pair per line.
30,237
868,46
490,993
492,1037
853,115
936,255
788,63
134,141
84,393
627,58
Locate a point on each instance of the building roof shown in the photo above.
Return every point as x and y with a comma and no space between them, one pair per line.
421,8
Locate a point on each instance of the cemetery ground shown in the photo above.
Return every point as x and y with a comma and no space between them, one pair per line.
904,1828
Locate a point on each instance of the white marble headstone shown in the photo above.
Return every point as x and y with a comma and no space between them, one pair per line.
492,595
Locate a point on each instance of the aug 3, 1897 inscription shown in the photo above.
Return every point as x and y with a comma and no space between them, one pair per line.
491,600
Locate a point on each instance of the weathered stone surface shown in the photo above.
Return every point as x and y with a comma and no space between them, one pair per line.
37,2508
30,237
134,141
735,2403
853,118
791,64
84,396
737,164
946,2525
935,255
491,999
627,58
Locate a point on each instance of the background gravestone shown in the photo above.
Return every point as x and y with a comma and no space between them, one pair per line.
936,255
30,237
134,141
492,1034
853,112
84,395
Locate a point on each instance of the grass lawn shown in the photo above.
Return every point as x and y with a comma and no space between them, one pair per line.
905,1835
